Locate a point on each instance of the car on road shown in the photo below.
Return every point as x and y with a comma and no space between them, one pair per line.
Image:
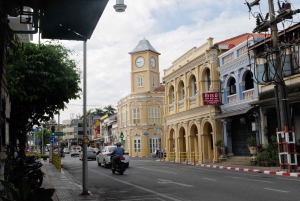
66,151
91,154
104,157
75,150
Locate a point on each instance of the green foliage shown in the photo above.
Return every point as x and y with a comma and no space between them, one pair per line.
251,141
219,143
46,138
24,193
41,80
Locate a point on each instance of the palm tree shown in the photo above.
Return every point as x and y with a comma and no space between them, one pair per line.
109,109
98,112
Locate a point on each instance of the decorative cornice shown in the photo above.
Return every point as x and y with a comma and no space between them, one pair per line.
185,68
188,112
230,66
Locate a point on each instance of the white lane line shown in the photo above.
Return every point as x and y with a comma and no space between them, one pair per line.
163,181
155,170
249,179
136,186
209,179
276,190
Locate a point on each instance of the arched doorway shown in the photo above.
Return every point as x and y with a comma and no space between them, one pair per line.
181,140
171,141
194,139
207,142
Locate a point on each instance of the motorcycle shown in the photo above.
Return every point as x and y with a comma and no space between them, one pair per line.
29,169
119,165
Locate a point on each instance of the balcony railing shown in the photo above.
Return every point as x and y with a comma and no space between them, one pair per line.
248,94
232,98
181,103
192,100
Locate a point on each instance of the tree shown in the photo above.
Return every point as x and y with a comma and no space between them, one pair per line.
109,109
98,112
46,138
41,80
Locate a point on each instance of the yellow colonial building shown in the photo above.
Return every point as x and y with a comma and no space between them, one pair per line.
140,114
191,132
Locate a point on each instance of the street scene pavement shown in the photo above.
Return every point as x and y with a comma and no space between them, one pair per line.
153,179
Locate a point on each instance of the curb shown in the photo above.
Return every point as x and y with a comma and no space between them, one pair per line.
281,173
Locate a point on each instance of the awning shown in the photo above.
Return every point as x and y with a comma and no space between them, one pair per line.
234,113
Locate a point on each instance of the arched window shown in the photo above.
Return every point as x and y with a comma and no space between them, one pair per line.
207,80
181,91
232,86
194,86
249,81
171,95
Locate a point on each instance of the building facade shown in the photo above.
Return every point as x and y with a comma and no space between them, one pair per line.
140,114
189,126
238,90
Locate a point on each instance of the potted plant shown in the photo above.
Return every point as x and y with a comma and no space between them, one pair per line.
44,157
223,150
252,146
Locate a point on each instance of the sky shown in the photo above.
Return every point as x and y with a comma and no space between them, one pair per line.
171,26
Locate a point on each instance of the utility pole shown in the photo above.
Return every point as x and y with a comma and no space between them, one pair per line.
285,132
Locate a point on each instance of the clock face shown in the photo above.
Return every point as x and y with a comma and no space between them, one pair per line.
140,61
153,62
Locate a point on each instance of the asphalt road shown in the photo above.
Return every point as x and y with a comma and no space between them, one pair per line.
148,179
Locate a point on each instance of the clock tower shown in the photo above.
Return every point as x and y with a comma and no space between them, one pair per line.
144,67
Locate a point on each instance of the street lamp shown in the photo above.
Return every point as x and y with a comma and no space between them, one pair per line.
120,6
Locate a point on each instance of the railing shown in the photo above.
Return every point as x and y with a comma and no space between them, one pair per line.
171,106
181,103
232,98
184,157
57,161
139,152
248,94
192,100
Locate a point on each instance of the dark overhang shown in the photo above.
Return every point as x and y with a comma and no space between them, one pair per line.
67,19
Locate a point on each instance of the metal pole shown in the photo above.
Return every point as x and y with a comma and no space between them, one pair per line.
284,123
84,140
42,140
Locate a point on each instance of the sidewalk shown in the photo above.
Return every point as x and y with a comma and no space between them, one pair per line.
66,189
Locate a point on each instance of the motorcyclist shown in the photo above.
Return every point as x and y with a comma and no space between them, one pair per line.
117,153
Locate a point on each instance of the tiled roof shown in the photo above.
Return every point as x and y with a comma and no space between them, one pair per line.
232,42
160,89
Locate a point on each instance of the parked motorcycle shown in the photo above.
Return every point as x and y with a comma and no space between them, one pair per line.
119,165
29,169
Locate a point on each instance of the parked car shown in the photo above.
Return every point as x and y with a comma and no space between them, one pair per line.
91,154
75,150
104,157
66,151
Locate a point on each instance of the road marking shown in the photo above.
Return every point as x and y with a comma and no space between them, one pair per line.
249,179
163,181
276,190
156,170
136,186
209,179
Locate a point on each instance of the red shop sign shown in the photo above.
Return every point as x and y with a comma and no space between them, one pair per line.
211,98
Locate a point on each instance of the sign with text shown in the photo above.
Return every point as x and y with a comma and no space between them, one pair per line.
211,98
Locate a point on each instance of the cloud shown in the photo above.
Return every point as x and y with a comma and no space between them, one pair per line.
172,27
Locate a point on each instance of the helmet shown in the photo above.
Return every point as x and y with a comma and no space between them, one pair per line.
118,144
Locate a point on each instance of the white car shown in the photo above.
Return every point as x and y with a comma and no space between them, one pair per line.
104,157
75,150
91,154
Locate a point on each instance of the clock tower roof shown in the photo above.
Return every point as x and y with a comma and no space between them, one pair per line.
144,45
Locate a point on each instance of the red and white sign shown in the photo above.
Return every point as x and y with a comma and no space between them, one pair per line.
211,98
